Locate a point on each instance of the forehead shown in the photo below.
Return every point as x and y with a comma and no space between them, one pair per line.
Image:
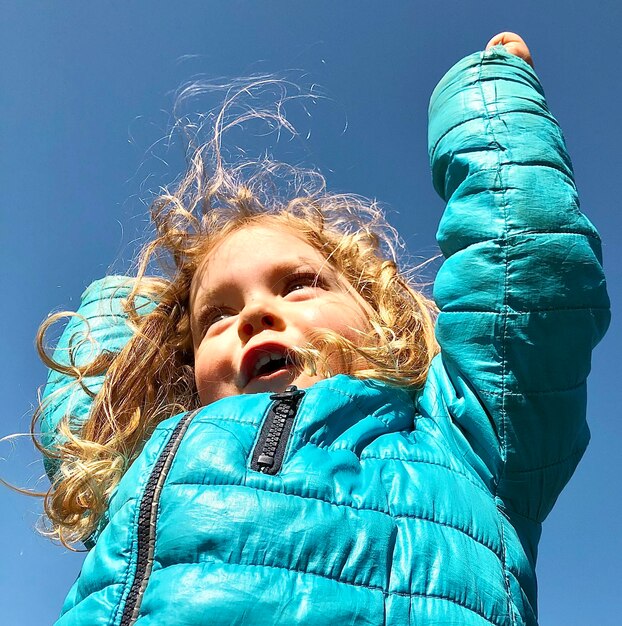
280,239
251,249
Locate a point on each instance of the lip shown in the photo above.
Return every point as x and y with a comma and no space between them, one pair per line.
252,355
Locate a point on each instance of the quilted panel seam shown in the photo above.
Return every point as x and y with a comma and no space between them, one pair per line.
478,116
488,118
433,463
570,457
481,541
515,313
376,588
534,392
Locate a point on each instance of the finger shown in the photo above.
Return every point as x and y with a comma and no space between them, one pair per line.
505,38
513,43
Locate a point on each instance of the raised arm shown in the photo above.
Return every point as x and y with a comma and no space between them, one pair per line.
521,294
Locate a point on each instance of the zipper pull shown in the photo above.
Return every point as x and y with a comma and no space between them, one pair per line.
291,393
274,435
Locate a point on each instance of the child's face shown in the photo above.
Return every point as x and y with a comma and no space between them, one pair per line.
258,293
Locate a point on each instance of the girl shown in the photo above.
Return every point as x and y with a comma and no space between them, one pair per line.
326,462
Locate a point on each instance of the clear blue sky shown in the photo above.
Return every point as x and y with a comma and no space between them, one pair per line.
86,91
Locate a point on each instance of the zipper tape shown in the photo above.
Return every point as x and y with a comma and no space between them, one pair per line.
147,517
275,432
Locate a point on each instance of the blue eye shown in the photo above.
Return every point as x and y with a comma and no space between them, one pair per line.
303,280
212,316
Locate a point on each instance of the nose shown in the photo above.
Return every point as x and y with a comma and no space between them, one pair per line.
257,317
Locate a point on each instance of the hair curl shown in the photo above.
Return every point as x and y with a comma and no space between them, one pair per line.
152,377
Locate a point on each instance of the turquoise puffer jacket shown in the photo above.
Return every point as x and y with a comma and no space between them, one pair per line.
353,502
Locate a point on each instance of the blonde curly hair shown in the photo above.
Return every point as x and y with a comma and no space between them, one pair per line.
152,377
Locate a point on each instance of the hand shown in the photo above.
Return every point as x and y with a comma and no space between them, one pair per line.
514,44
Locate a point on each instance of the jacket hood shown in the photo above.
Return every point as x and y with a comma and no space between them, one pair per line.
100,324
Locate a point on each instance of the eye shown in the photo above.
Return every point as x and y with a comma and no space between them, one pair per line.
303,280
213,315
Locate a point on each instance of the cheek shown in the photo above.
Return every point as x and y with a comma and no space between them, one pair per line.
213,373
344,317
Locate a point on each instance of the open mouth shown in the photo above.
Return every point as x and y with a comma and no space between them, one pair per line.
270,363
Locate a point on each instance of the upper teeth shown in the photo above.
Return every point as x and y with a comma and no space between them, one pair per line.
263,360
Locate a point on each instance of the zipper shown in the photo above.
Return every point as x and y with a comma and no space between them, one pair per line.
274,436
147,518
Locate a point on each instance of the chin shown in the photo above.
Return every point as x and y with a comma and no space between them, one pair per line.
279,381
304,381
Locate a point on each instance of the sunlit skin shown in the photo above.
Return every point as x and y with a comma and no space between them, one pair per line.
261,291
513,43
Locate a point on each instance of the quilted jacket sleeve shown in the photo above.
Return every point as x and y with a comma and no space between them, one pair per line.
521,293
